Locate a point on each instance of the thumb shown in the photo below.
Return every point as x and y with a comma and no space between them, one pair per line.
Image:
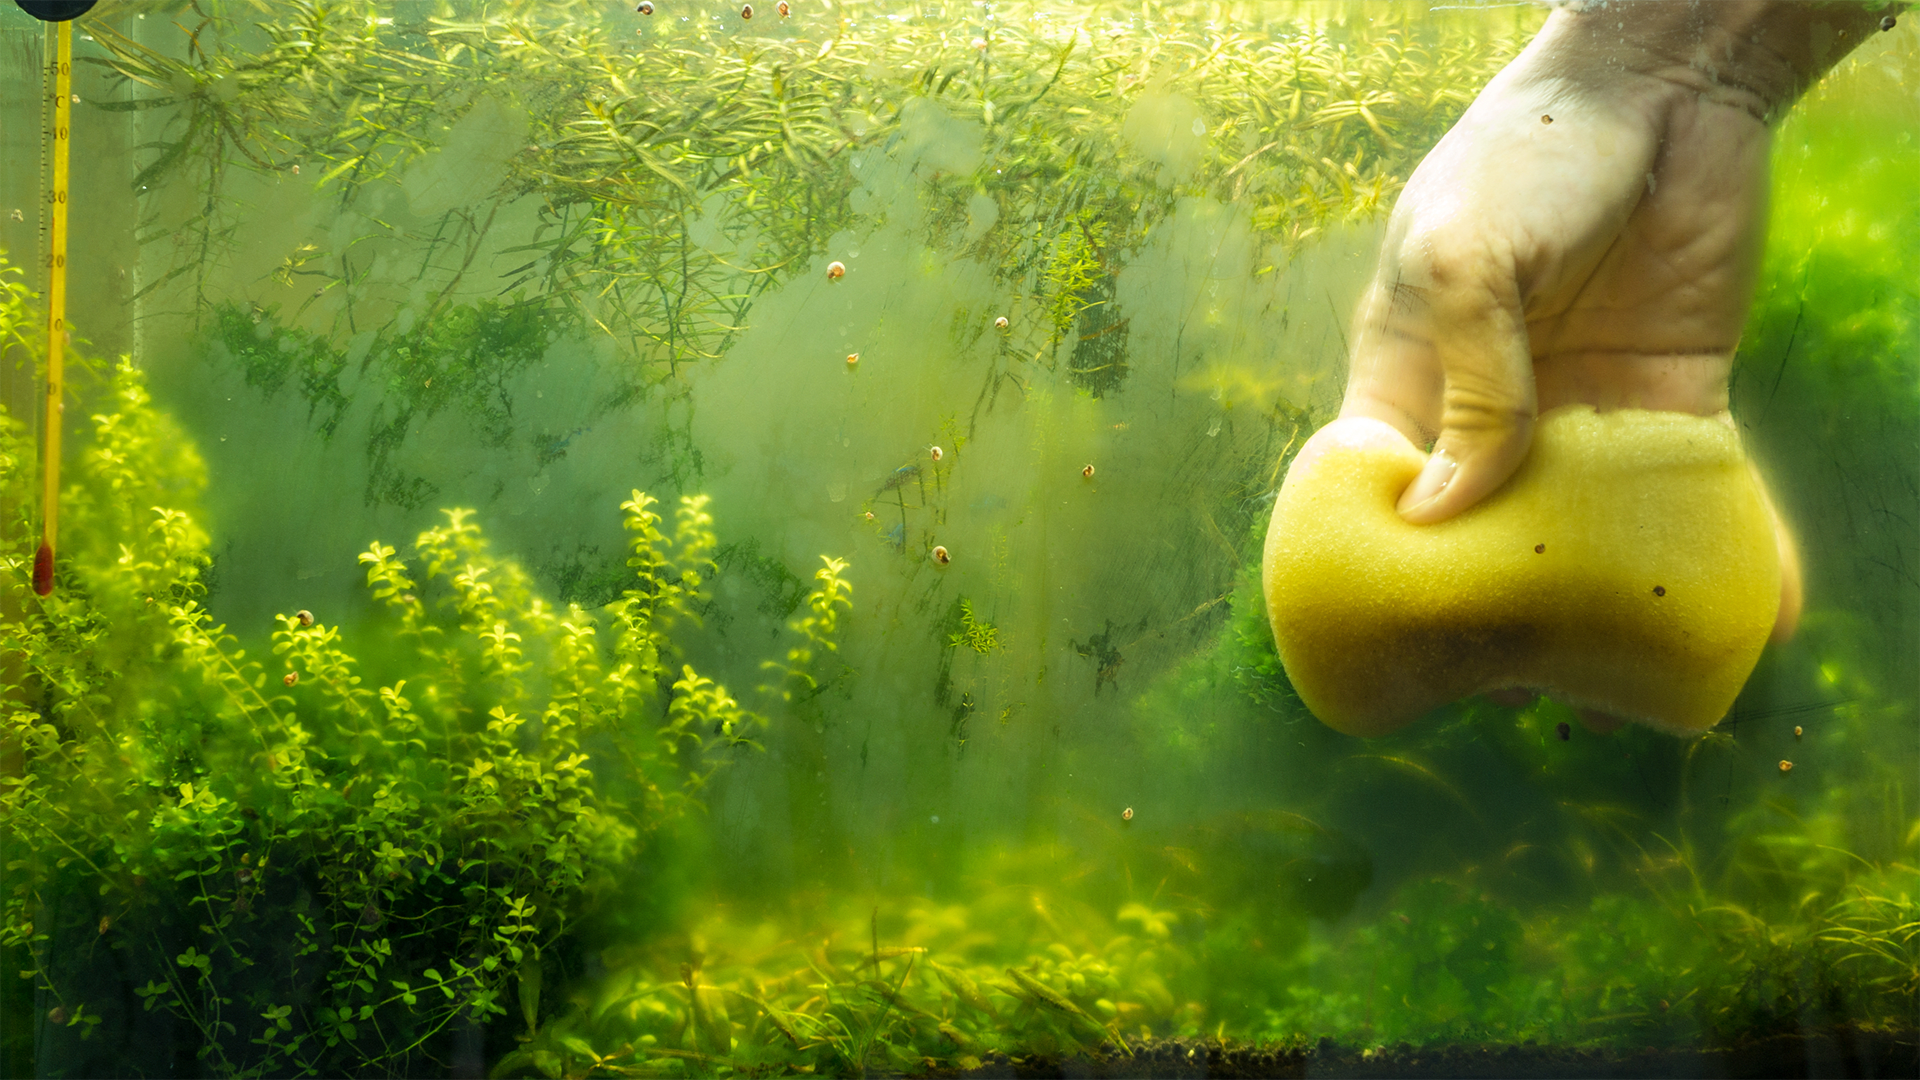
1479,339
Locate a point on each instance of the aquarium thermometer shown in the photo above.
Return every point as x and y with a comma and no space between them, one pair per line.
62,72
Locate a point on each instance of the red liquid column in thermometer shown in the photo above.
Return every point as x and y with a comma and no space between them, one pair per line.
56,310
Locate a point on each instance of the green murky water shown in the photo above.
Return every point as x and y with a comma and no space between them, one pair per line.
923,709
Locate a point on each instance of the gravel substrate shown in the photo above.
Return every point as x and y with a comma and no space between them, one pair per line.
1836,1052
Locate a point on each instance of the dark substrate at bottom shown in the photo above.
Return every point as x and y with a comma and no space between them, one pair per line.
1832,1052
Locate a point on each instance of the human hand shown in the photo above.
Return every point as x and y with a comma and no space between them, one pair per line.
1590,232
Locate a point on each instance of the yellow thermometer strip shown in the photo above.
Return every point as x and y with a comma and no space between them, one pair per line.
56,309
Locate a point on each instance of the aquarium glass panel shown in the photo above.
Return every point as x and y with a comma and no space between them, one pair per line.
712,540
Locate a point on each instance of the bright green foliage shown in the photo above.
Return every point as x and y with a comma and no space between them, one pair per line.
672,573
981,637
324,862
917,980
809,669
16,326
679,170
1025,964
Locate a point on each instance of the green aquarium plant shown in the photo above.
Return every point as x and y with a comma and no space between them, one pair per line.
319,861
646,183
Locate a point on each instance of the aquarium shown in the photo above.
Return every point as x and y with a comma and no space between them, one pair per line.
726,540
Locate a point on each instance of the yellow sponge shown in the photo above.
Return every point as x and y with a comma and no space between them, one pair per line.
1629,566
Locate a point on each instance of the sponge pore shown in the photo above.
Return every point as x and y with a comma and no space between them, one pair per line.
1628,566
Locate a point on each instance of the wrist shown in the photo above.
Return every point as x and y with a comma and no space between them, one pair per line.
1758,55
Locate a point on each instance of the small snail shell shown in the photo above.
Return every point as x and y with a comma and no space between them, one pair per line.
836,270
746,11
940,556
1786,766
979,43
292,677
1798,731
853,358
645,8
1087,472
783,9
1127,814
936,453
304,617
1000,323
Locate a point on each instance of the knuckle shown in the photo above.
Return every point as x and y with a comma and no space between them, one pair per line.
1461,269
1485,409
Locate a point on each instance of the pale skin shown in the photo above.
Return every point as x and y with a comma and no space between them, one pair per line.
1590,232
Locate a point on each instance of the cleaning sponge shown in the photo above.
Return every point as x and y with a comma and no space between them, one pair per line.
1628,566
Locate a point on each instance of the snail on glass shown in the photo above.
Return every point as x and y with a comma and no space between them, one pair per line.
836,270
940,555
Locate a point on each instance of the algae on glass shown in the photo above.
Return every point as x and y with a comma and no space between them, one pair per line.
484,274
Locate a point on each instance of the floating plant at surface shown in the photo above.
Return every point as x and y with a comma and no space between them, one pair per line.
316,861
648,182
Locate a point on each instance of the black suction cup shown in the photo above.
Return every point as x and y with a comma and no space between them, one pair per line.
56,10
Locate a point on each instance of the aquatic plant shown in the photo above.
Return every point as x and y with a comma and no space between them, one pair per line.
1023,964
677,170
16,308
323,861
333,861
971,632
810,668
